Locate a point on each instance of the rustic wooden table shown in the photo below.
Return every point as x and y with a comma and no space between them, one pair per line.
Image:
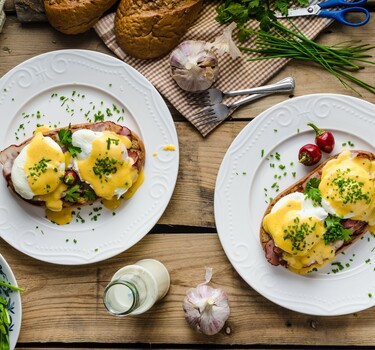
62,305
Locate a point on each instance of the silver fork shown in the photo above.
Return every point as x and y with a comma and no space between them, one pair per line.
220,111
214,95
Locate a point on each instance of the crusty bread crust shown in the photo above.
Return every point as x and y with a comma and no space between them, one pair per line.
150,29
75,16
299,187
8,155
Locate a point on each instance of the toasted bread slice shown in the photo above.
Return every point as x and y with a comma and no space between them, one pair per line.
359,228
136,152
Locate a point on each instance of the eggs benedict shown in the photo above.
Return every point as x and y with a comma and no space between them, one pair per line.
64,168
309,223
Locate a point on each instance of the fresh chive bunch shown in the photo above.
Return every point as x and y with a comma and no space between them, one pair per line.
275,40
4,317
339,60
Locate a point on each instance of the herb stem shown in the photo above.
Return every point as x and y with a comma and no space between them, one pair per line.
339,59
11,286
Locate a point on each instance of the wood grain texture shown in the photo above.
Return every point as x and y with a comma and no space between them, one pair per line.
64,303
20,42
9,6
30,10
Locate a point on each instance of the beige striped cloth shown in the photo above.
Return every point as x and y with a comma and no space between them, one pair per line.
234,74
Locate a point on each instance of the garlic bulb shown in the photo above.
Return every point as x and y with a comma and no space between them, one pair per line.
206,308
194,67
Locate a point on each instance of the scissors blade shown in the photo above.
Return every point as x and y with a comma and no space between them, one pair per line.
297,12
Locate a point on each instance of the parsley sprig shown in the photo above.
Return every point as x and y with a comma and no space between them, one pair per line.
65,138
335,230
89,195
73,194
240,11
312,191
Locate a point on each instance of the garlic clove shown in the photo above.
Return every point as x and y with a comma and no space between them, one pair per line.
225,43
206,308
193,66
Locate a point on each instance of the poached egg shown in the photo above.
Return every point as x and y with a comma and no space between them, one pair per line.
296,225
347,187
104,162
38,169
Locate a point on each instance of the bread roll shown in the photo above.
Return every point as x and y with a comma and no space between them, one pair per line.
75,16
149,29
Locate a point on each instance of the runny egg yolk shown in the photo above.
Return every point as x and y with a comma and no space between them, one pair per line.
108,168
43,166
348,185
300,237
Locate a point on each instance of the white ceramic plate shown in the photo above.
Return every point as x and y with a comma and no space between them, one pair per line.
262,160
75,86
14,302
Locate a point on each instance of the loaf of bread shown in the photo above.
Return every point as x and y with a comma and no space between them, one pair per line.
75,16
149,29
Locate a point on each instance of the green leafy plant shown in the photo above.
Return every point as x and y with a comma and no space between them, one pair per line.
274,40
339,60
312,191
241,11
65,138
73,194
335,230
5,318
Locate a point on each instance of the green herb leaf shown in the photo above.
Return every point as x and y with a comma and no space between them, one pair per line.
65,138
279,41
72,195
11,286
5,318
89,195
335,230
312,191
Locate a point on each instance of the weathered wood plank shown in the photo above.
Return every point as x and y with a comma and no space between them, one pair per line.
311,79
9,6
2,19
192,202
30,10
20,42
2,14
64,303
200,159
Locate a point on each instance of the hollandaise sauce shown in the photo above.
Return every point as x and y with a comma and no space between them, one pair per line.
108,169
300,237
348,185
62,217
100,166
44,165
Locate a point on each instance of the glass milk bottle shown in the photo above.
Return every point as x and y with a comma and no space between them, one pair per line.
134,289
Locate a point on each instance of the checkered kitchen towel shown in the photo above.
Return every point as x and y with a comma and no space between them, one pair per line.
234,74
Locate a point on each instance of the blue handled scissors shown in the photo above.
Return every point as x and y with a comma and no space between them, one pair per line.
339,15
